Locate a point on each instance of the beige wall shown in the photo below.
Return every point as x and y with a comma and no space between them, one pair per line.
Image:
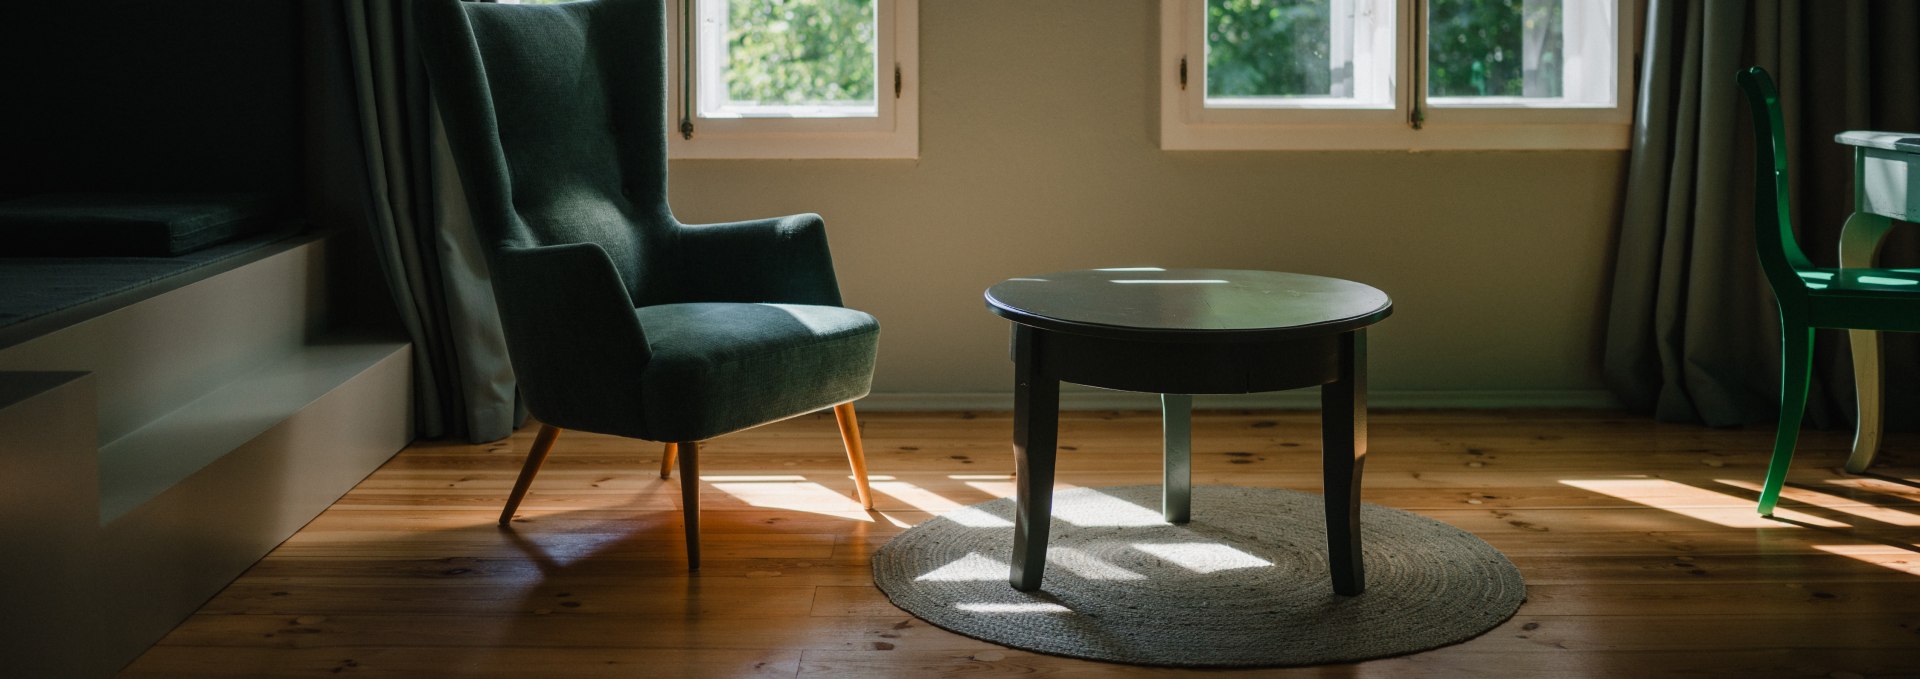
1039,153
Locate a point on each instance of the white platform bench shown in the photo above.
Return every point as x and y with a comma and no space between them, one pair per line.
151,452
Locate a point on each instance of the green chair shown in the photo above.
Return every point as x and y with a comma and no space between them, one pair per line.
1810,297
619,319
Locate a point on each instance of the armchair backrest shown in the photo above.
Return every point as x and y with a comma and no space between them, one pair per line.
1780,253
558,118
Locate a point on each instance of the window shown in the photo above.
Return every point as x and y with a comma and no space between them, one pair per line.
793,79
1395,74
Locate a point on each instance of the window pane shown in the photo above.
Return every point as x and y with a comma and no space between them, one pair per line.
1299,54
787,56
1495,48
1270,48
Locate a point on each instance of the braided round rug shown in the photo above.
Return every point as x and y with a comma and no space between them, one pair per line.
1243,584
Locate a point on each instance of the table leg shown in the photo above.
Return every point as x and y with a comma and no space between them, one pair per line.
1860,241
1343,436
1036,428
1176,483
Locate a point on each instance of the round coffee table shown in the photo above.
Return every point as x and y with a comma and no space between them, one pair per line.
1179,332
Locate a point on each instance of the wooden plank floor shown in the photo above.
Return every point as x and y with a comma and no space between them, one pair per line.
1641,551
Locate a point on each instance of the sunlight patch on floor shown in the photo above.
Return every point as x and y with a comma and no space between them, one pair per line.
1203,557
1887,556
1036,607
1088,566
994,488
1101,509
1696,503
933,503
791,492
1882,486
895,520
973,567
1836,503
976,567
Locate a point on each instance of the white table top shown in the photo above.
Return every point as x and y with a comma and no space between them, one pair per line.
1905,142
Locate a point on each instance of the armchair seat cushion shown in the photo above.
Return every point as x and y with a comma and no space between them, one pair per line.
721,367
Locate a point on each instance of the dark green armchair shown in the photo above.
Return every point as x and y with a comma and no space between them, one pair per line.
619,319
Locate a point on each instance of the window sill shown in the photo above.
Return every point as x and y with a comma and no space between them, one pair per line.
1398,137
777,146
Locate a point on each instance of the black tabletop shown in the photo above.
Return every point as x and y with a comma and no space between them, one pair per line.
1188,304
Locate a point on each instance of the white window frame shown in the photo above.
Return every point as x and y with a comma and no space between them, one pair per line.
893,133
1445,123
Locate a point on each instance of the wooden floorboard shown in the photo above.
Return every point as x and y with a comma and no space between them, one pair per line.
1638,541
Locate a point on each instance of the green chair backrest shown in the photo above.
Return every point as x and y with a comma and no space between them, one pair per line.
556,118
1780,254
571,100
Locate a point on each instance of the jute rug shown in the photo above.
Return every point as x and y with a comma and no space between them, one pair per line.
1244,584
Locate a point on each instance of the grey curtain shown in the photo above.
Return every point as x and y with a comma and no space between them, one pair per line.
1693,333
422,236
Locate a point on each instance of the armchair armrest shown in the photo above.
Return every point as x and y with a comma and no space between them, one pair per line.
784,259
577,349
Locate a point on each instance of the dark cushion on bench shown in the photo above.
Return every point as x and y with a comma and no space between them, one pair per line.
117,225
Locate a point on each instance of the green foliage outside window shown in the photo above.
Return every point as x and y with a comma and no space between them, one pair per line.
822,51
800,51
1280,47
1474,48
797,51
1268,48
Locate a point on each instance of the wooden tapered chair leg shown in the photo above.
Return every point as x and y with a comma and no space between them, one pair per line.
542,443
690,499
856,455
666,460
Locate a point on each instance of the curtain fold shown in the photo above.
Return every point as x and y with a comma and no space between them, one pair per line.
1692,331
423,238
